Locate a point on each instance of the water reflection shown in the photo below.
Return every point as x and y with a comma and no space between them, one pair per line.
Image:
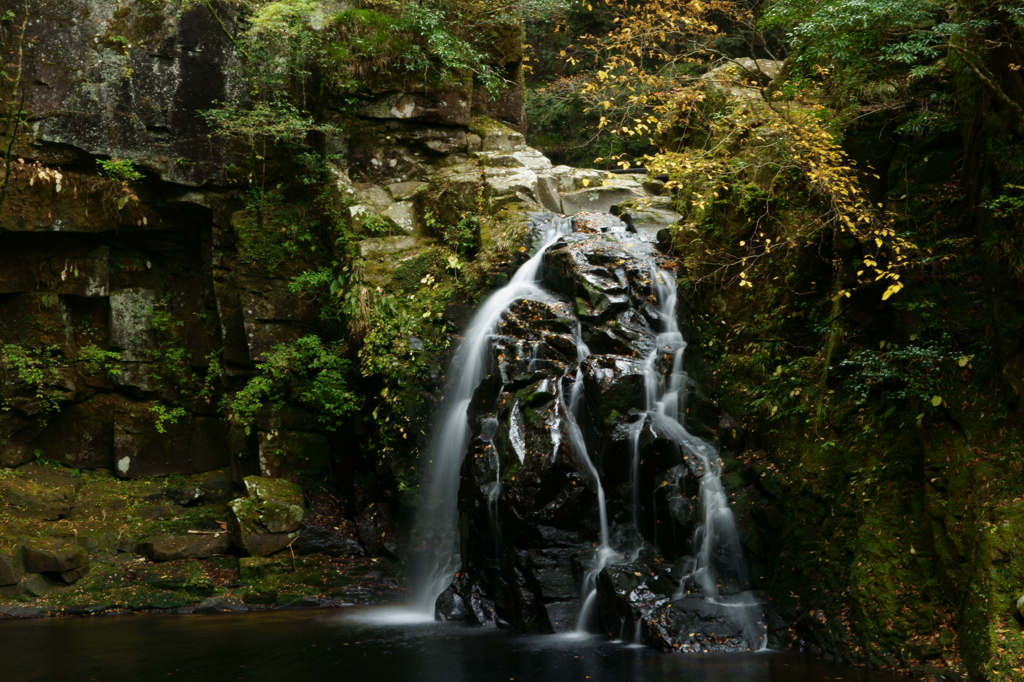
371,644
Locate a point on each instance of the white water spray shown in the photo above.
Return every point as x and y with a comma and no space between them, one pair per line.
716,540
436,537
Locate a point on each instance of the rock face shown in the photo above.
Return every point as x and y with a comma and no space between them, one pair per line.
265,521
566,400
141,77
170,274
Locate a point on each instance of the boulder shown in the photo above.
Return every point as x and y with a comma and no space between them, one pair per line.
402,214
73,575
598,199
174,546
176,576
33,585
25,497
99,500
327,541
400,191
376,528
378,247
268,519
506,182
744,77
547,193
52,556
496,137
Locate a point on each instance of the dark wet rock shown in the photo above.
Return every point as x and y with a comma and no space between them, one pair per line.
467,601
529,499
677,511
304,602
376,528
217,486
450,605
555,571
323,540
18,612
615,385
562,616
549,536
174,546
481,609
220,605
52,556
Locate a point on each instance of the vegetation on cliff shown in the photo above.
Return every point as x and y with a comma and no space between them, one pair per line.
850,183
849,178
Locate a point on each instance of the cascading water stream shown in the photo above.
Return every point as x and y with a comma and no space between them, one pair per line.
718,559
716,540
588,591
437,535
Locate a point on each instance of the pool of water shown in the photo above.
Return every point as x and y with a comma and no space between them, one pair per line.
376,644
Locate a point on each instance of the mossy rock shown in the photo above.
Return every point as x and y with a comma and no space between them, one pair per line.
174,546
185,576
53,556
267,520
28,498
103,499
280,503
139,597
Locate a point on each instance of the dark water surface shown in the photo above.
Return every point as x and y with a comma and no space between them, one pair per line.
355,645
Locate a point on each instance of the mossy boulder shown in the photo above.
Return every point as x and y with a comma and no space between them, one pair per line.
268,519
53,556
25,497
188,545
100,500
185,576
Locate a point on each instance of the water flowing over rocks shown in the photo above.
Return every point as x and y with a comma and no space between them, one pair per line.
590,495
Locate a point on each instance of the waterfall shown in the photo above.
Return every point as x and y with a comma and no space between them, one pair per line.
436,536
717,543
716,571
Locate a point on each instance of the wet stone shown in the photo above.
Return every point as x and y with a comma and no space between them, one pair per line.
450,606
562,616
